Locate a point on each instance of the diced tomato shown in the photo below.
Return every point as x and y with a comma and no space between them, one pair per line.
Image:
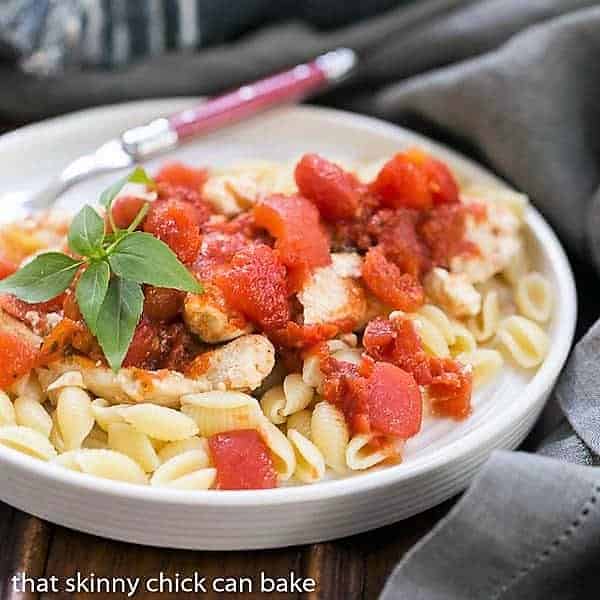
443,186
243,461
177,224
216,251
294,222
125,209
451,388
397,342
394,401
144,349
178,174
18,358
403,183
397,234
7,268
162,304
335,192
71,307
443,230
399,290
255,285
294,335
19,308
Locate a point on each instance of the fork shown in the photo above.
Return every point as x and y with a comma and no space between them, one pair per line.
166,133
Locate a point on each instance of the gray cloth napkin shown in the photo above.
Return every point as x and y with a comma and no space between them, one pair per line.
516,84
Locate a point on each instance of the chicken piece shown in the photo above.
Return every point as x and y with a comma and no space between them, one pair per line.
242,364
231,194
239,365
453,291
208,316
328,296
498,242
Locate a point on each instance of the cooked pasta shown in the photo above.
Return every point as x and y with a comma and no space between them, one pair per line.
300,421
485,363
533,295
464,341
74,416
330,435
159,422
485,324
171,472
27,440
432,337
310,464
175,448
30,413
517,267
7,411
215,412
124,438
105,414
280,447
109,464
366,450
281,401
97,439
525,341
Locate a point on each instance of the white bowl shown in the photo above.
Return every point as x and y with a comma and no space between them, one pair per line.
439,463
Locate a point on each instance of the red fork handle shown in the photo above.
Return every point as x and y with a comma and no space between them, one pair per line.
288,86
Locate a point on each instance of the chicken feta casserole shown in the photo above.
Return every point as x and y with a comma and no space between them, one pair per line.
250,327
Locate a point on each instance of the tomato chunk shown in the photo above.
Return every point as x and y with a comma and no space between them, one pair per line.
19,308
18,358
335,192
403,183
162,304
294,222
399,290
125,209
255,285
144,349
176,223
178,174
451,388
394,401
243,461
7,268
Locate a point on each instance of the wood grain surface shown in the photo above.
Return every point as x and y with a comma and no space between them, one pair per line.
347,569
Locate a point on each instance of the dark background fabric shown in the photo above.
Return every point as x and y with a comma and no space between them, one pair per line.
514,84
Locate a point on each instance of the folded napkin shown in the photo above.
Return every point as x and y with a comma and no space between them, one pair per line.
513,83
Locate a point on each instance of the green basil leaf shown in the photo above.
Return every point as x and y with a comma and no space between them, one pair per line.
91,291
44,278
86,232
119,314
138,175
143,258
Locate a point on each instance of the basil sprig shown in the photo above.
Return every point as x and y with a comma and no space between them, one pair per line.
108,292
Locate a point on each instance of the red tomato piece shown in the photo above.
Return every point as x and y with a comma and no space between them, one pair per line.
19,308
451,388
442,184
180,175
443,230
125,209
403,183
255,285
335,192
394,401
243,461
176,223
294,222
144,349
401,291
162,304
18,358
7,268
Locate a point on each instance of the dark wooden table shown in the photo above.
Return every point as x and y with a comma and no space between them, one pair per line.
351,568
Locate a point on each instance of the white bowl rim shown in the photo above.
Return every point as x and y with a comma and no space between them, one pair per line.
540,384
